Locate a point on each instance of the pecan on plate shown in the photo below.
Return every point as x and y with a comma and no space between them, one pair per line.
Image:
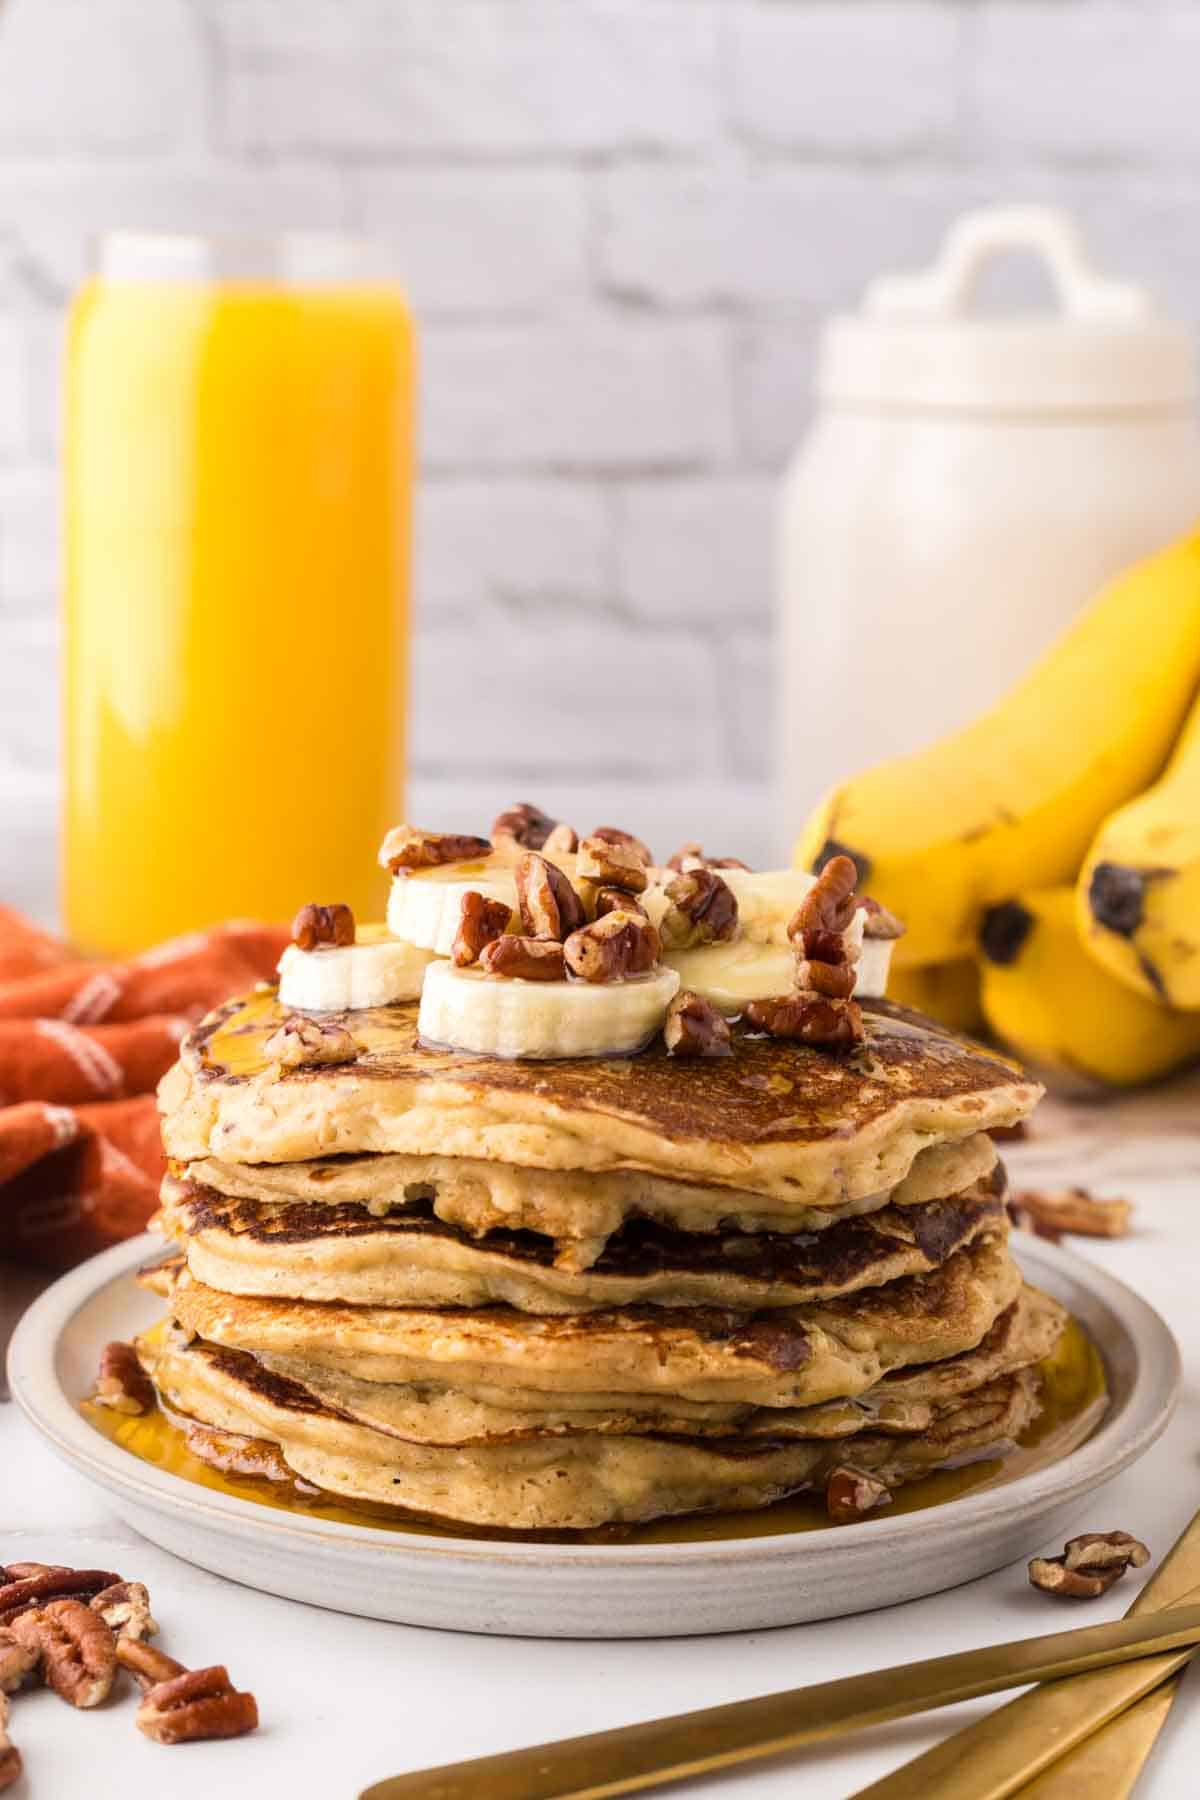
810,1019
10,1756
121,1382
193,1705
614,899
548,904
315,925
820,922
610,834
301,1042
524,959
18,1660
407,847
851,1492
1075,1210
702,910
26,1593
879,922
522,827
1089,1565
605,864
615,947
78,1651
694,1027
125,1609
480,922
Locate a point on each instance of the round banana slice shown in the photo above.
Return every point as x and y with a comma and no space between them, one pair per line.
424,908
494,1015
376,970
766,899
731,975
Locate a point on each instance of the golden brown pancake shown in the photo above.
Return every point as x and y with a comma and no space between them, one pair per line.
797,1124
793,1356
410,1257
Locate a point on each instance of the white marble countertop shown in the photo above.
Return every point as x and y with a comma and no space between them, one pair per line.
345,1701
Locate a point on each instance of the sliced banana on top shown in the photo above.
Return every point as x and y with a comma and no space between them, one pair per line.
491,1015
425,908
767,899
376,970
731,975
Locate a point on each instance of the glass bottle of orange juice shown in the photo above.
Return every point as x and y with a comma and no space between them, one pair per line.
238,477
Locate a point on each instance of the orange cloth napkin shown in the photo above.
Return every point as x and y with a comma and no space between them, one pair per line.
82,1048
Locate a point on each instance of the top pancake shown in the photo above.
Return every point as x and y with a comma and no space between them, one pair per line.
775,1118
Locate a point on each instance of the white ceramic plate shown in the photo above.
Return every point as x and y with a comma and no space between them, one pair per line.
609,1590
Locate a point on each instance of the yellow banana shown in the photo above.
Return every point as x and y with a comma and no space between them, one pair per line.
1013,800
1060,1011
948,992
1138,896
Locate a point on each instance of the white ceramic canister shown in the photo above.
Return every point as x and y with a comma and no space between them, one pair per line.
968,484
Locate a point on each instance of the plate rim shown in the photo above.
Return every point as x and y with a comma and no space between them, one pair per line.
35,1386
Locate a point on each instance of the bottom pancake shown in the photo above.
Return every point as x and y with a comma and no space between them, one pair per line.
576,1481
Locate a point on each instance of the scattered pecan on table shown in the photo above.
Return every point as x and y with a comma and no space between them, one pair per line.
10,1756
1054,1212
1089,1565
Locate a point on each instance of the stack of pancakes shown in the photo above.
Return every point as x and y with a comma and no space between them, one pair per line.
558,1295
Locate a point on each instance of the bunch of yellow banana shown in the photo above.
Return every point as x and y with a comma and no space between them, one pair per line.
1046,858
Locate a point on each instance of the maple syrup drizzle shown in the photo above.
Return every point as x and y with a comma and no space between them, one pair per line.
1074,1396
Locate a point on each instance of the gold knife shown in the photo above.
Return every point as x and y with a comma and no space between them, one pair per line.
1034,1739
634,1757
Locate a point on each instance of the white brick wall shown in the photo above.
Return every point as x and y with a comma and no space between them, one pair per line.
620,223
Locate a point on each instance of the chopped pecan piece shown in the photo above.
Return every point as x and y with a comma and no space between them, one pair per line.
237,1455
694,1027
810,1019
1058,1210
121,1383
480,922
77,1649
834,980
880,923
18,1660
614,899
562,841
10,1756
407,847
1089,1565
548,904
851,1492
609,834
828,907
315,925
24,1593
524,959
691,856
300,1041
615,947
199,1703
702,910
523,827
125,1609
611,865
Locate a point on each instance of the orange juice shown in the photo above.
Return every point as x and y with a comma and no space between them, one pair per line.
238,473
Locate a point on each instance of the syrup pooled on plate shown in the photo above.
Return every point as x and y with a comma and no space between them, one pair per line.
1074,1398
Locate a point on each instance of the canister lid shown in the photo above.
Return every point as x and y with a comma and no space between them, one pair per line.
915,344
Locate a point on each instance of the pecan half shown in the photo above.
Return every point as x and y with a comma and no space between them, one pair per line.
830,904
562,841
197,1704
407,847
480,922
611,865
148,1665
77,1649
18,1660
851,1492
702,910
121,1382
315,925
524,826
27,1592
1089,1565
300,1041
879,923
614,899
1058,1210
524,959
237,1455
834,980
10,1756
125,1609
810,1019
694,1027
609,834
615,947
548,904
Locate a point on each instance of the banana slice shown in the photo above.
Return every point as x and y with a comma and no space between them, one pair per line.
424,908
376,970
492,1015
766,899
731,975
